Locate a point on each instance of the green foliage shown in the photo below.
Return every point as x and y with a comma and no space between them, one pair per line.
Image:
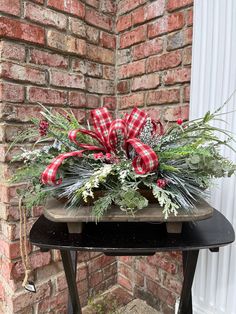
131,200
101,205
188,157
166,200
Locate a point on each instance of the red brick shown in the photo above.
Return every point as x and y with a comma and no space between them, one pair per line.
100,262
187,93
166,24
12,92
12,249
148,81
189,17
125,283
123,23
92,34
109,102
107,40
37,259
109,72
99,86
9,194
148,270
155,9
95,278
108,6
187,55
93,101
66,43
10,7
80,116
13,51
95,18
172,284
179,39
110,270
132,69
126,271
139,16
148,48
128,5
93,3
18,72
123,87
165,96
47,96
165,61
77,27
177,76
94,69
138,279
154,113
123,56
64,79
74,7
130,101
188,35
56,303
77,99
173,114
82,286
42,57
22,300
79,65
133,37
159,292
45,16
100,54
18,30
177,4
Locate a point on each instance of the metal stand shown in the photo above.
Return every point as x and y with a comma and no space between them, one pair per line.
189,267
70,272
130,239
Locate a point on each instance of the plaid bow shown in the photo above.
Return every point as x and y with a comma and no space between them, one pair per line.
105,133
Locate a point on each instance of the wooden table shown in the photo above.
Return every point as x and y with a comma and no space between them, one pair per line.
130,239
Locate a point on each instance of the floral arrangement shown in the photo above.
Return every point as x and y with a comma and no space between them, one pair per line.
120,158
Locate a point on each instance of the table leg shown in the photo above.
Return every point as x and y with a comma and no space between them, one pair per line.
189,267
73,255
71,281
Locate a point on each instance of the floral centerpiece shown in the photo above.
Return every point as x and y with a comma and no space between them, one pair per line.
127,161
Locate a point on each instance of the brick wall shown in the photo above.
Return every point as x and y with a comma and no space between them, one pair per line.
62,54
153,71
81,54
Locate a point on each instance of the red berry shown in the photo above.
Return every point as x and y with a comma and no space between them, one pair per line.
98,155
179,121
161,183
43,127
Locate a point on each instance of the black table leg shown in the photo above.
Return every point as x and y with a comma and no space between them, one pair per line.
71,282
73,255
189,267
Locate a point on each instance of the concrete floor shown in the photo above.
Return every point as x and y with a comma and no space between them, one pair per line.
137,306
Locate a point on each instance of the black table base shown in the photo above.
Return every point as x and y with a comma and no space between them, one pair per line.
132,239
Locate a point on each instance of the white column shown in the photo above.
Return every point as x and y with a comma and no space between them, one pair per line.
213,80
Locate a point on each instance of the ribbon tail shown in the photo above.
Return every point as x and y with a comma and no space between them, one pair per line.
49,175
147,160
73,135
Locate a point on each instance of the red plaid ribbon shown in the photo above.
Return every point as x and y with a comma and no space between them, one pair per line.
49,176
105,133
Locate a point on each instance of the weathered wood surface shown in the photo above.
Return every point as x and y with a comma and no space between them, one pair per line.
56,211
